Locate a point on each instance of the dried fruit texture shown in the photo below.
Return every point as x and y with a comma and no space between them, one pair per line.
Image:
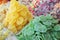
17,16
56,11
40,7
43,7
41,28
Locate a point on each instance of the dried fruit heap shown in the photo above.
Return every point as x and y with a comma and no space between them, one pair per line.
41,28
17,16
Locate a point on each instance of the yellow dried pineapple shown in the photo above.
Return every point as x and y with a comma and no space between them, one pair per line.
17,16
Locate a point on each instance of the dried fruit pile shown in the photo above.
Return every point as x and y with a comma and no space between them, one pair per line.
44,7
17,16
13,17
41,28
40,7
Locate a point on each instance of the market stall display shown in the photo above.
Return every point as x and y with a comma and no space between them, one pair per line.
29,19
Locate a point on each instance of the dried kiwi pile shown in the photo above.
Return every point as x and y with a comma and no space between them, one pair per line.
41,28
